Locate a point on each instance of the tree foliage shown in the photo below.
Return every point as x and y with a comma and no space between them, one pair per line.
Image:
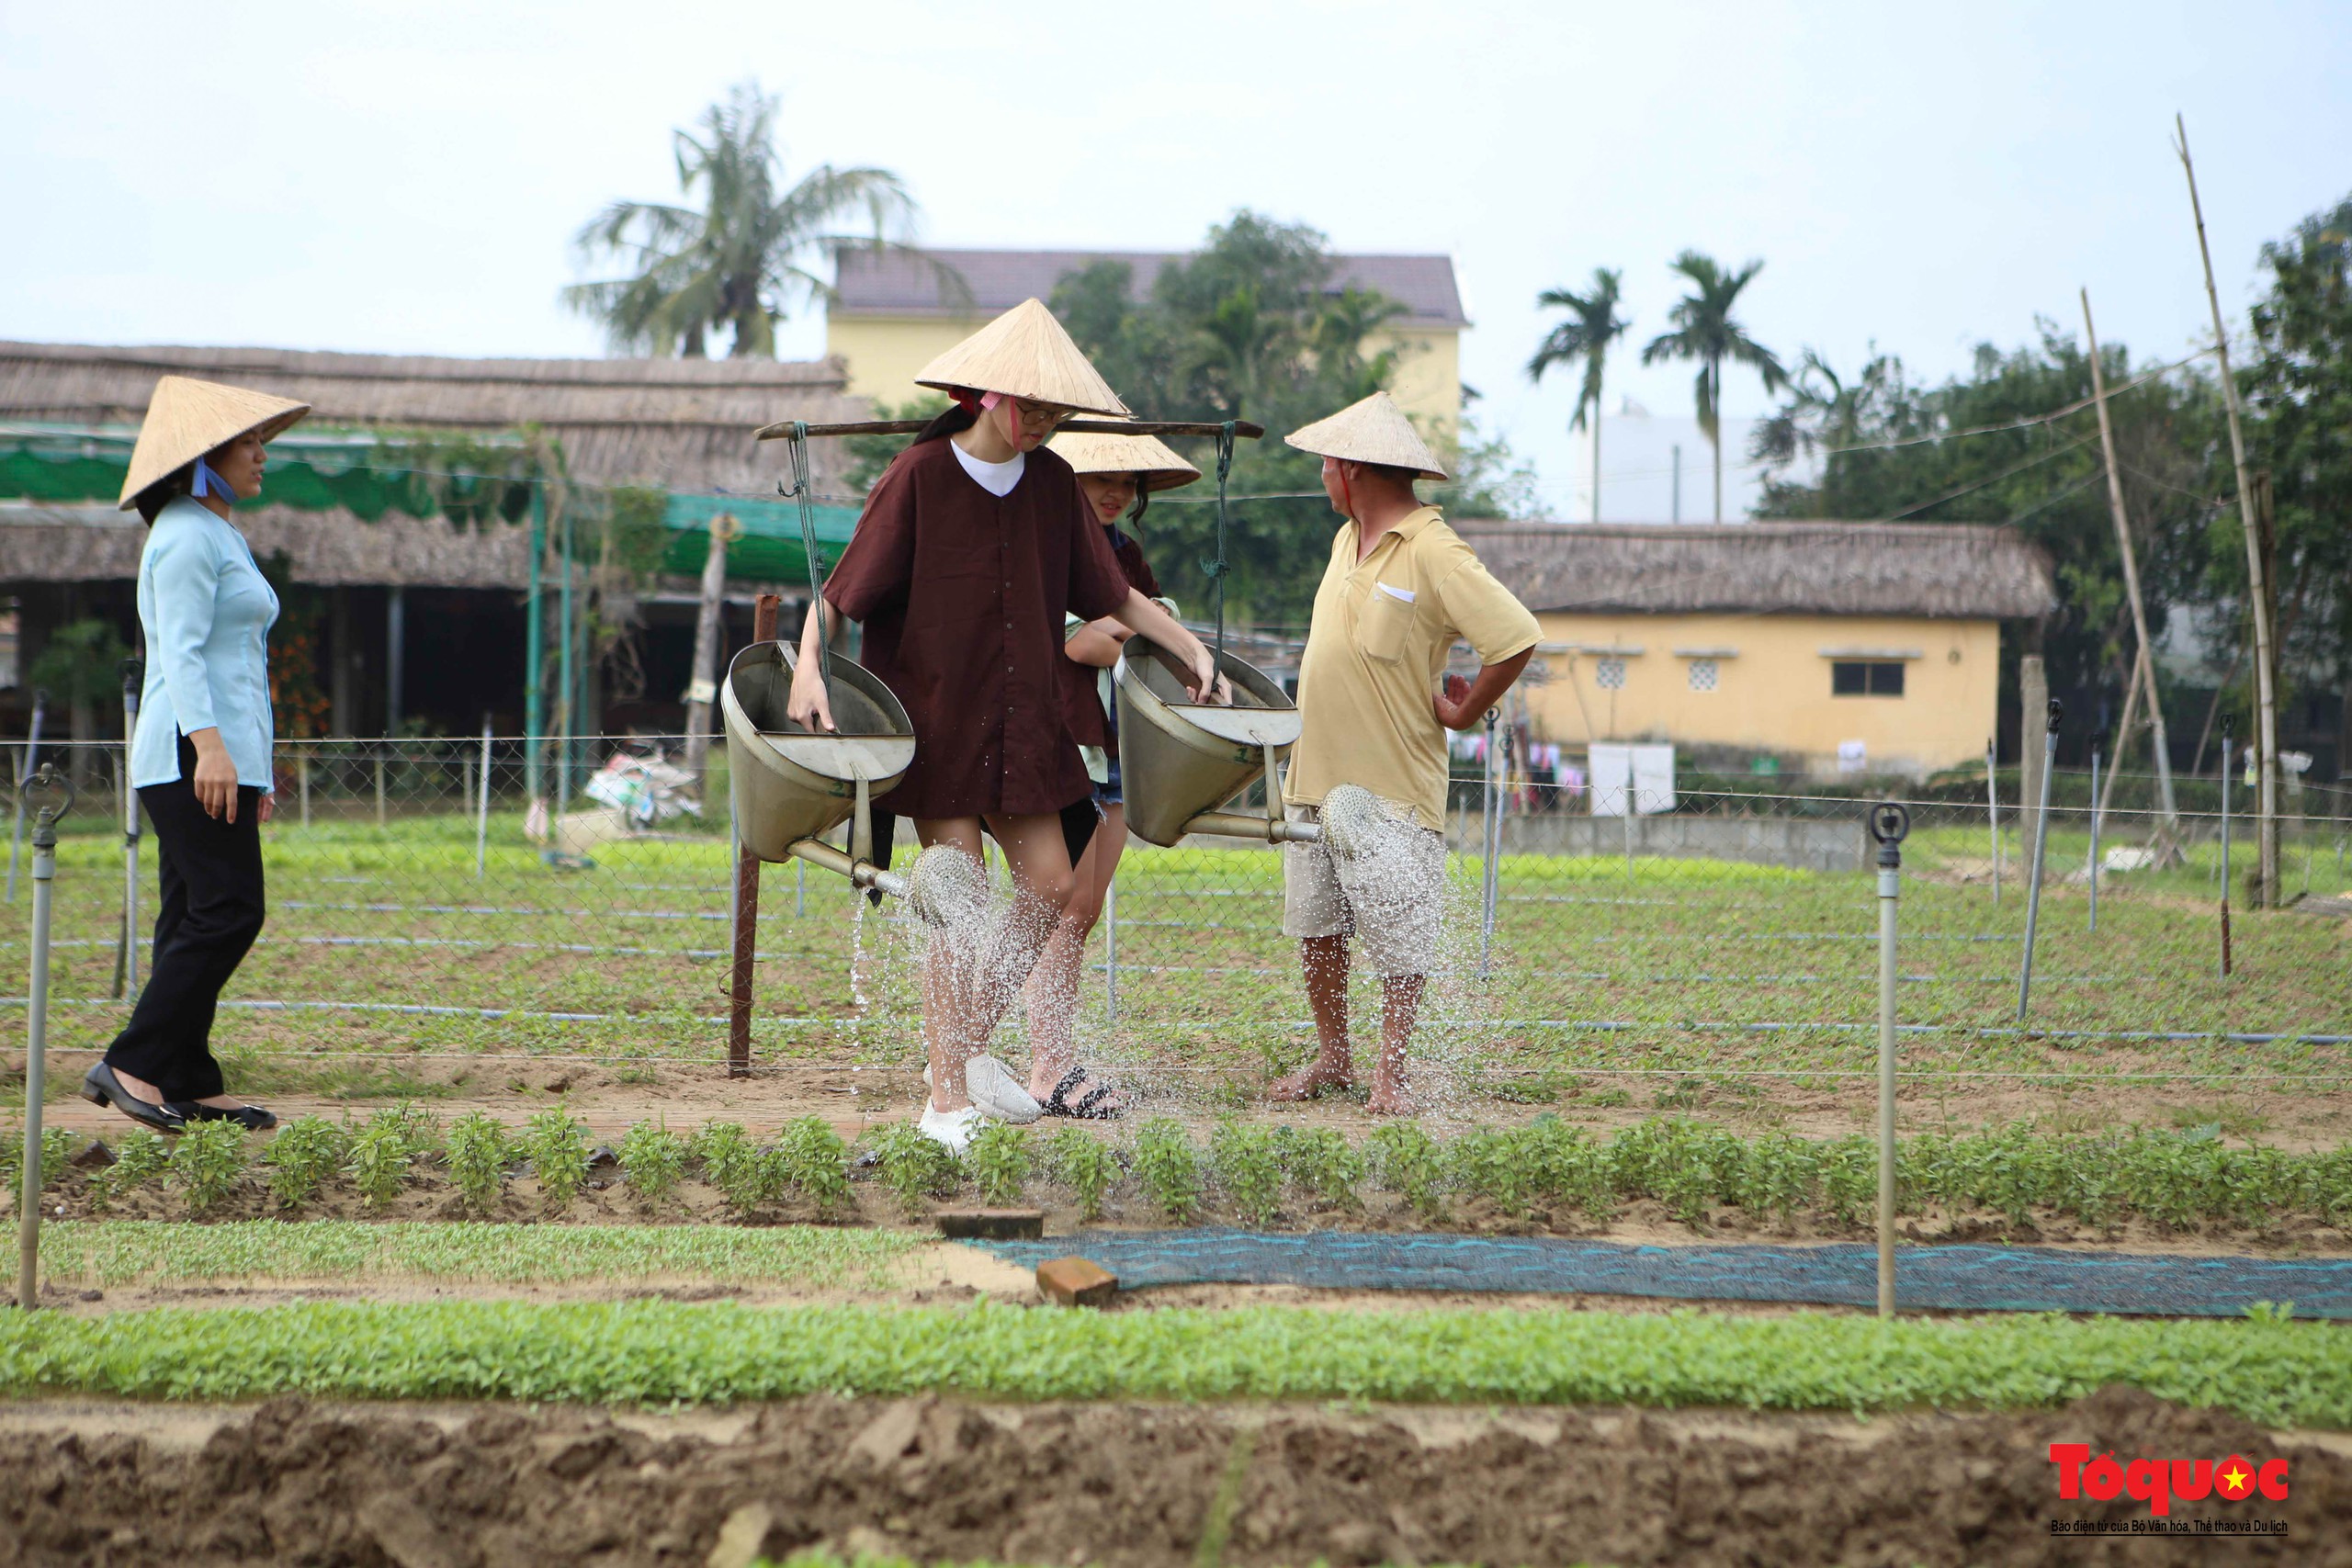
1251,327
2298,397
740,261
1705,332
1889,448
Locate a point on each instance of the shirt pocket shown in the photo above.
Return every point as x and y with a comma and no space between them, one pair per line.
1385,625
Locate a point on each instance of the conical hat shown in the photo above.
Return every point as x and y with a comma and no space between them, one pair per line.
188,418
1093,452
1025,354
1373,431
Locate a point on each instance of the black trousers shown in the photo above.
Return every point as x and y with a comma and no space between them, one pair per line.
212,910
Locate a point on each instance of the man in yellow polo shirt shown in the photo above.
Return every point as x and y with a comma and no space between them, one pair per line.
1401,587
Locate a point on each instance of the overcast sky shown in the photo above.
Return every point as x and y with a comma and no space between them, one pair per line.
405,177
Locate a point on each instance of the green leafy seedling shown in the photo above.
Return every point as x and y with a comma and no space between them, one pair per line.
1323,1166
745,1177
300,1158
477,1155
558,1155
208,1162
652,1159
381,1161
1085,1165
1407,1161
140,1160
1169,1168
913,1167
999,1159
811,1159
1249,1167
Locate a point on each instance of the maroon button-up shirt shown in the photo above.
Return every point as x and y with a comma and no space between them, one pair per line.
963,595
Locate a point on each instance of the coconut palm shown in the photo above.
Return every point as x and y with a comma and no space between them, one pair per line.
746,255
1595,326
1706,332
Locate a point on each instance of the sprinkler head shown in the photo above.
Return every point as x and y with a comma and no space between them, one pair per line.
945,886
1352,821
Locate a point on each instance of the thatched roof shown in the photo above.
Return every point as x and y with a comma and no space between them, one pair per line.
682,424
97,543
1957,570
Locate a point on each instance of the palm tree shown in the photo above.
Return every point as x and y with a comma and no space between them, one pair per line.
1706,332
1587,337
744,257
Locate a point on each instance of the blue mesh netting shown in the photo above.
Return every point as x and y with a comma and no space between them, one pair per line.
1957,1277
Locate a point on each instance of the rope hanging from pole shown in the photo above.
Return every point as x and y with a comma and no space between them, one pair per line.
801,491
1218,567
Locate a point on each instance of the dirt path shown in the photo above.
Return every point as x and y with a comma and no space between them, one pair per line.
1134,1485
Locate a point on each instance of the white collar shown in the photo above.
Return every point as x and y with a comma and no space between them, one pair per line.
997,478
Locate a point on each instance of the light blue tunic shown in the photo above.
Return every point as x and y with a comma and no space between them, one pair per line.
207,610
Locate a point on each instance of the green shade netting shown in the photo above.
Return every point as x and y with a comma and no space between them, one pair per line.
70,467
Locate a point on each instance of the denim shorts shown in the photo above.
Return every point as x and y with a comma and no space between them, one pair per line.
1108,793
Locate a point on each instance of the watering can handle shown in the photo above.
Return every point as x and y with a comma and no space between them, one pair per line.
861,830
1273,785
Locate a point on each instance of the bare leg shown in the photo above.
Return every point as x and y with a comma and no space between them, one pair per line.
1400,1005
1042,880
1324,960
944,1005
1052,992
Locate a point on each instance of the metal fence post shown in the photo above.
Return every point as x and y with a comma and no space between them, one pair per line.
379,785
1489,844
2040,849
134,677
2094,825
1992,817
1889,822
482,815
25,772
58,798
2229,760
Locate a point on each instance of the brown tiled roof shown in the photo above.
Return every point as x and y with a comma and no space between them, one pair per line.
889,283
1961,571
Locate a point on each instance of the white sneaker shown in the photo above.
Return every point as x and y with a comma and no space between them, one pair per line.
996,1090
952,1130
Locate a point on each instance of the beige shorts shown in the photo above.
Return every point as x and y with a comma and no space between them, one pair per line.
1393,903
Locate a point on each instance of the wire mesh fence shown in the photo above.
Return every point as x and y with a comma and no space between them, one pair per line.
1710,942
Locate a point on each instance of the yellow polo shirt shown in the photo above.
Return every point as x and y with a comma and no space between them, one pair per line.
1376,649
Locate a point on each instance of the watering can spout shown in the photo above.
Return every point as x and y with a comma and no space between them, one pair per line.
862,873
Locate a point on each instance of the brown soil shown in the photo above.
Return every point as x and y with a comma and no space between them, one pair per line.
1114,1483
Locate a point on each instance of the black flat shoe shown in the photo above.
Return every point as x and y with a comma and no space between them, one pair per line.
100,1086
251,1118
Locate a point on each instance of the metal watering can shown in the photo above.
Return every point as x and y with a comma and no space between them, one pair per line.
1180,762
790,786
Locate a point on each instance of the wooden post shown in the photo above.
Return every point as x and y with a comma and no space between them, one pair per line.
747,904
2123,730
2033,701
702,689
2266,669
2144,667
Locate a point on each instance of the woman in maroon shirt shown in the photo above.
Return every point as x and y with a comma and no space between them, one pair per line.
1115,472
973,548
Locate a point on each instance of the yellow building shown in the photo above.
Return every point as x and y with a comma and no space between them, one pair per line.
894,312
1827,647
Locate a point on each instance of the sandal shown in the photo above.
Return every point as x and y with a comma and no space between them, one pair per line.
1089,1107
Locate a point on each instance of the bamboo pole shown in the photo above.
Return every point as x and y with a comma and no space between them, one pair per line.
2123,730
782,429
2266,674
2144,667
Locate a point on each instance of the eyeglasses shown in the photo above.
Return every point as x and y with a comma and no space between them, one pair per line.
1041,413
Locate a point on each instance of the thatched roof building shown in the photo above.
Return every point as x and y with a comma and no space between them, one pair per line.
325,549
683,424
1945,570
